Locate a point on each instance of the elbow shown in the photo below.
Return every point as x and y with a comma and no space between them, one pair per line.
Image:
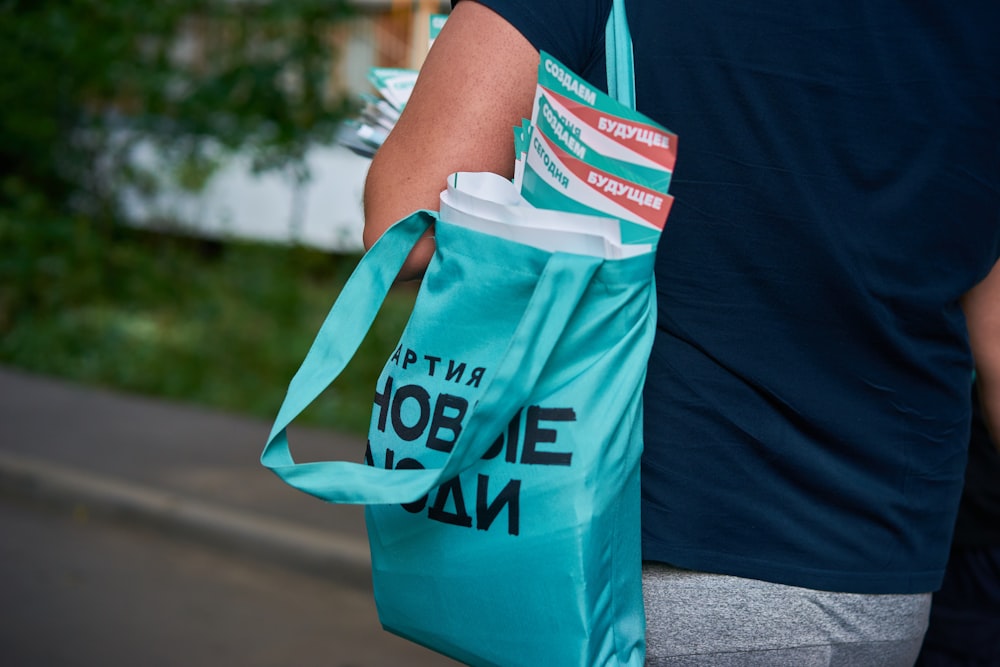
369,235
376,220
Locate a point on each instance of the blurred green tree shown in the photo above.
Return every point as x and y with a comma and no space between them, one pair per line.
80,80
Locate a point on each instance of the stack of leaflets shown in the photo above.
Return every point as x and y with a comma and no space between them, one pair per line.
591,175
380,111
584,152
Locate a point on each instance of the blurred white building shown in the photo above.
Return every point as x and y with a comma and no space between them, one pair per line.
325,209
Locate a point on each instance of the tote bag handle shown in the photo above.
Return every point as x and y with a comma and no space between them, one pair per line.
619,56
559,289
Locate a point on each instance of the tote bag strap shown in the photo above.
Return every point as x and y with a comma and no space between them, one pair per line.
620,62
349,320
557,293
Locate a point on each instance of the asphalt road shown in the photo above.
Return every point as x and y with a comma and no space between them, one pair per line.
83,592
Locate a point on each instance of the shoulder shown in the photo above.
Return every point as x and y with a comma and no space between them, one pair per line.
571,30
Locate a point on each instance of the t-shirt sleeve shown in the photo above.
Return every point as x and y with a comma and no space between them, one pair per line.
570,30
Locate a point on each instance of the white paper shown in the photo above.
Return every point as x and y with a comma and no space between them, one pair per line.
490,204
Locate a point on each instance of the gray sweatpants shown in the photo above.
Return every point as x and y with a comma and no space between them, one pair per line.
695,619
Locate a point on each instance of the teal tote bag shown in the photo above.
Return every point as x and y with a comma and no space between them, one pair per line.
501,476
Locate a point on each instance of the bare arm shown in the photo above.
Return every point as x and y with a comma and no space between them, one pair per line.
476,84
982,314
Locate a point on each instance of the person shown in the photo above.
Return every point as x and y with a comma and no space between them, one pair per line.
827,271
964,628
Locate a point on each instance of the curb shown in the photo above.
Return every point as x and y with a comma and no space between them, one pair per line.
336,557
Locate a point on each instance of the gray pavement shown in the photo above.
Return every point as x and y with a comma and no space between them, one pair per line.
190,472
89,593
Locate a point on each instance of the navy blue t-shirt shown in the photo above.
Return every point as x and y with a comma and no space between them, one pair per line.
837,189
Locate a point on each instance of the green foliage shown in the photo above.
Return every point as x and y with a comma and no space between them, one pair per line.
224,326
185,72
86,298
